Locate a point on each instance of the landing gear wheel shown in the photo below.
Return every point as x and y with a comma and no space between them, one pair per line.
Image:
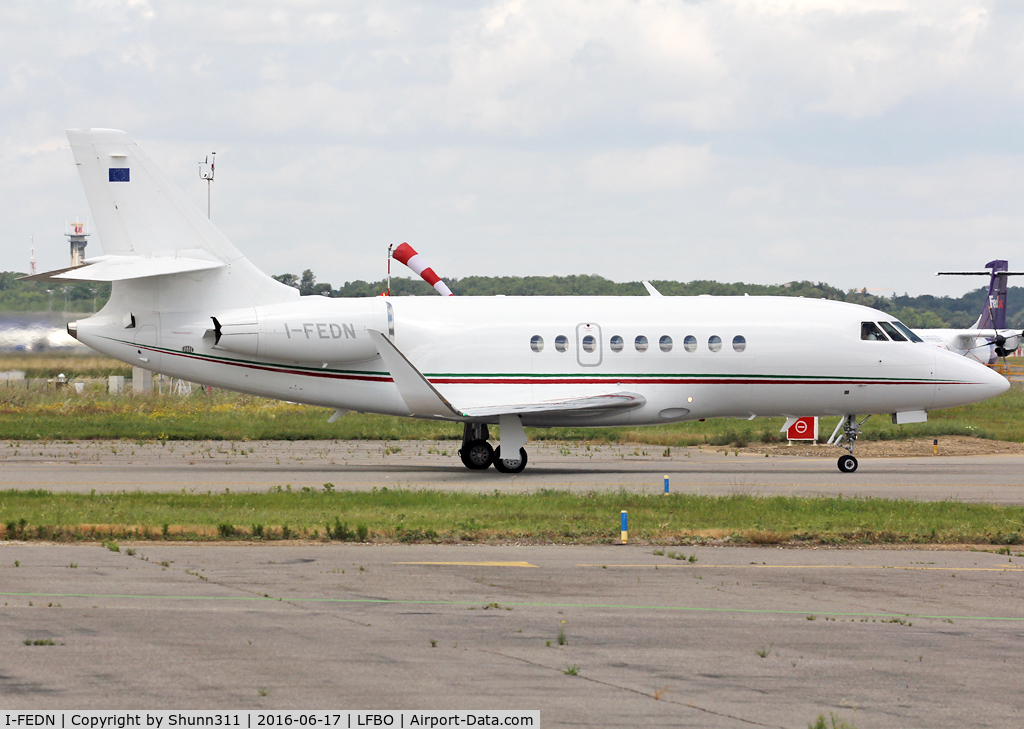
476,454
847,464
506,466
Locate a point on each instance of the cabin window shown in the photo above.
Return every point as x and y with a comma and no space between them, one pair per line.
870,332
714,343
665,343
561,343
906,330
690,343
615,343
589,343
893,333
739,343
537,343
640,343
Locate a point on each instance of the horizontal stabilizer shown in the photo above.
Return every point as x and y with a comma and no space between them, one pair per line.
585,405
980,273
123,268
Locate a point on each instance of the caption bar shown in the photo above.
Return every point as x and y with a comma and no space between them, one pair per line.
258,719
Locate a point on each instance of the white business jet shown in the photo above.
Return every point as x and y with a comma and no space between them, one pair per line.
186,303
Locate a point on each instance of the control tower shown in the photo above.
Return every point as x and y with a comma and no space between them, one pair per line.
77,236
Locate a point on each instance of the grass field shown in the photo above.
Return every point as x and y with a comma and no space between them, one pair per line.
222,415
547,516
44,365
430,516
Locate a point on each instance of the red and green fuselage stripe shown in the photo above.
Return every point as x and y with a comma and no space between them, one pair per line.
507,378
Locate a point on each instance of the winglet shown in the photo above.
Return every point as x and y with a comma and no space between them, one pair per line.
650,289
419,395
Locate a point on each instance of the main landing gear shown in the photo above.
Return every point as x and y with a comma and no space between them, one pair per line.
851,429
477,454
506,465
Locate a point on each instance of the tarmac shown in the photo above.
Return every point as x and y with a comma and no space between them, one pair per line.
740,637
106,466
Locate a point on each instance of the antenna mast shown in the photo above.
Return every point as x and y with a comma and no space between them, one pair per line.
32,257
206,168
388,293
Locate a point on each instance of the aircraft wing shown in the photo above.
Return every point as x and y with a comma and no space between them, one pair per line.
990,333
423,399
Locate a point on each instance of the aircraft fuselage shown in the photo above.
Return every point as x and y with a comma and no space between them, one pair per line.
704,356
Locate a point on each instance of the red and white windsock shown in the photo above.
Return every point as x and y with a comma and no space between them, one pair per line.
407,255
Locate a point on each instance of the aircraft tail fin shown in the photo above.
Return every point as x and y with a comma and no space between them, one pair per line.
148,227
993,311
137,211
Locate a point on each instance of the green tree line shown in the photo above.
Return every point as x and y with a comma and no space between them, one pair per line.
34,296
924,311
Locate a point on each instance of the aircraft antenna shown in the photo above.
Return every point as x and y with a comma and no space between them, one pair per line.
32,257
206,168
389,269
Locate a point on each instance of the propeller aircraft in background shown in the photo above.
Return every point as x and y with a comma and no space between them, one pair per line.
185,302
988,339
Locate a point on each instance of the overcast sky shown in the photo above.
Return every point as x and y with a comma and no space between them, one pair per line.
864,144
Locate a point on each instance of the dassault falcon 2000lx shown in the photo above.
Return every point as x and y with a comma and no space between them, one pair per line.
186,303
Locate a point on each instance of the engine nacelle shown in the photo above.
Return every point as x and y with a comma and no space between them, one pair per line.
313,330
1006,346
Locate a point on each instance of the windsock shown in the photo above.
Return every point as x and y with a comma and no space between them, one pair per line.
407,255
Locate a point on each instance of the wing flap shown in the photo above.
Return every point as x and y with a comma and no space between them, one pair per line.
584,406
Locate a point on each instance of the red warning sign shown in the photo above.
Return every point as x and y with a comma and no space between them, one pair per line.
803,429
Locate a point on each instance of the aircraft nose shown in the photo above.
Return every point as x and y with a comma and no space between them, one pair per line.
962,381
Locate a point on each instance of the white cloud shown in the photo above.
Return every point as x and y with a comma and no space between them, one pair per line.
668,167
748,139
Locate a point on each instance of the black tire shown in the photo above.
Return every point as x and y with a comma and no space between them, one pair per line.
847,464
506,466
477,455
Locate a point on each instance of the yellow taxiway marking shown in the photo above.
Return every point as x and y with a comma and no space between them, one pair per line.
1007,568
476,564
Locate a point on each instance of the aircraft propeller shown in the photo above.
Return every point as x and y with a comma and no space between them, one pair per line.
999,342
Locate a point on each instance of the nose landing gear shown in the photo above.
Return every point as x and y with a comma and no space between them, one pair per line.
851,429
847,464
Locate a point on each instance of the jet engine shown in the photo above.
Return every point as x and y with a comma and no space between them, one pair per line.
312,329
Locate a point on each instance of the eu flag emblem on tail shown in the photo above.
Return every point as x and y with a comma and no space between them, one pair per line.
119,174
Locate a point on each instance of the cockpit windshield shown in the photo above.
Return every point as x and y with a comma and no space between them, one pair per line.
907,330
889,329
897,331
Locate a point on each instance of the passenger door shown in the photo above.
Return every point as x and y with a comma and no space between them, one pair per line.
588,345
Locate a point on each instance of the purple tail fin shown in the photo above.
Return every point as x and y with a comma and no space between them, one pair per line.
993,313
